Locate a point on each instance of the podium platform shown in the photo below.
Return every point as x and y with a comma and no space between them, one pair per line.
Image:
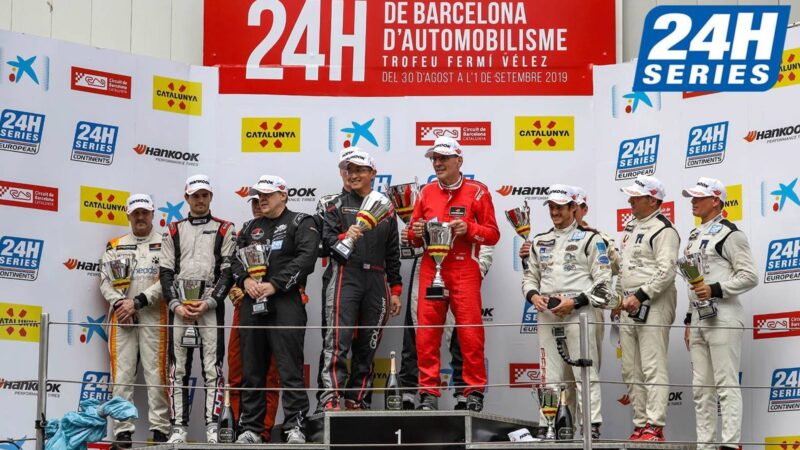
440,430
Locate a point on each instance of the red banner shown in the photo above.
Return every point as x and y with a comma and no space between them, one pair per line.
414,48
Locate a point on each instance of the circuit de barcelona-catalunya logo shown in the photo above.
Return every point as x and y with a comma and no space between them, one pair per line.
784,393
637,156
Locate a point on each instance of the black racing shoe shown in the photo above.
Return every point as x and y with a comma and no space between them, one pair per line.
595,431
409,401
475,402
428,402
461,403
123,440
159,436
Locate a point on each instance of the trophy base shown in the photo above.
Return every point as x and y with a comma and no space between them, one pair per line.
410,252
190,342
342,250
437,293
641,314
705,310
260,307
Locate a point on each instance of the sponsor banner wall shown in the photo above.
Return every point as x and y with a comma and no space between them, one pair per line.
75,152
748,141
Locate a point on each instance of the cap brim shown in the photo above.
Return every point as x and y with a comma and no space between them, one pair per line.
254,191
343,164
631,191
692,193
149,208
193,190
557,202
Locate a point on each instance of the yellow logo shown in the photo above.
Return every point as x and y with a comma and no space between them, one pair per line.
790,68
544,133
101,205
733,205
782,442
178,96
270,134
20,322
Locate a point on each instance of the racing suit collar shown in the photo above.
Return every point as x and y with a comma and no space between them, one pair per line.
202,220
655,213
140,239
566,230
453,187
707,225
283,213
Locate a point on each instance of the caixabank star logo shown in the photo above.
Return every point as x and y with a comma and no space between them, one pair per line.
366,133
637,156
177,96
87,328
20,322
784,393
783,260
779,197
707,144
544,133
21,131
103,205
20,257
94,143
26,70
270,134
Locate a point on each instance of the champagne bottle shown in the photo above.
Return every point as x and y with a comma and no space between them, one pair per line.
392,397
226,427
565,428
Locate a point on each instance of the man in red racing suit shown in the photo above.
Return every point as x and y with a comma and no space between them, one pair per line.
467,206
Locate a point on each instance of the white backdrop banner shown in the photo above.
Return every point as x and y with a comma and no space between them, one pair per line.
82,128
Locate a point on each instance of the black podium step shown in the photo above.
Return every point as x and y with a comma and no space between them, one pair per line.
429,430
442,429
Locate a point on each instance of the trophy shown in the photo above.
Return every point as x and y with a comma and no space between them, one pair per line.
190,291
548,406
692,269
520,219
374,209
438,240
403,197
255,258
120,272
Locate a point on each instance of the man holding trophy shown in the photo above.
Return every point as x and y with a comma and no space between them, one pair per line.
360,228
718,265
454,217
647,281
129,281
195,279
274,254
568,272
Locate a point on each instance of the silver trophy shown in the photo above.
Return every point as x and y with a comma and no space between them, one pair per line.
548,407
520,219
375,208
190,291
403,197
692,269
438,242
255,259
120,272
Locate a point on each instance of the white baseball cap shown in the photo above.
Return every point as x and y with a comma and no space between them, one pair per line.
136,201
444,145
561,194
707,187
268,184
358,158
580,198
196,183
645,185
347,151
